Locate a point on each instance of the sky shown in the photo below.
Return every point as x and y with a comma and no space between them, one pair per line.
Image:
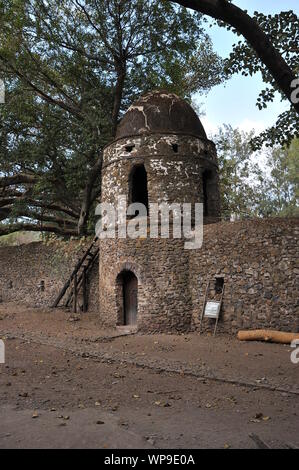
234,102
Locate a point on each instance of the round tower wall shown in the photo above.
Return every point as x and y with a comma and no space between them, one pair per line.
174,165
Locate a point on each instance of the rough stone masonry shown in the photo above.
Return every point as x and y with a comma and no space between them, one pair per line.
162,139
161,154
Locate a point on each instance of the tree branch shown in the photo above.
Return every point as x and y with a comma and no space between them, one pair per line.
12,211
88,195
20,227
39,92
20,178
259,41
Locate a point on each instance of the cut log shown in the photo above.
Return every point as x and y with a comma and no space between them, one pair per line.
271,336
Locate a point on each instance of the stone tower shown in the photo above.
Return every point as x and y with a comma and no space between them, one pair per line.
160,154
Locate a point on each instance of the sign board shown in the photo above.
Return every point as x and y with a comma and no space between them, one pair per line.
212,309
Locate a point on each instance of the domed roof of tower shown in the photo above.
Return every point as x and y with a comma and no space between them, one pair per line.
160,112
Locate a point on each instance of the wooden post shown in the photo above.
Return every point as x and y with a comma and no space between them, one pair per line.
204,304
221,298
75,294
84,287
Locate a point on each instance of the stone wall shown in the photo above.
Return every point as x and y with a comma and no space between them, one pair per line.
162,269
174,176
258,260
23,270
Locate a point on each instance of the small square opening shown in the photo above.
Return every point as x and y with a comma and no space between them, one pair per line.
219,283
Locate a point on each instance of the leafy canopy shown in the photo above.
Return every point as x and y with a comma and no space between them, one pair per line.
71,68
283,31
256,184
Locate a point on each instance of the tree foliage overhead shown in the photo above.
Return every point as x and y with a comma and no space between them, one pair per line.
270,46
256,184
279,190
71,68
283,31
235,166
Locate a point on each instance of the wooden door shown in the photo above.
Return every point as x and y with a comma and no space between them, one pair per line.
130,299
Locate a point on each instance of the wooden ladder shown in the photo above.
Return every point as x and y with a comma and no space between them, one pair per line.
78,280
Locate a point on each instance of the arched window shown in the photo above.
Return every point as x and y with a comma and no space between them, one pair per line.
138,186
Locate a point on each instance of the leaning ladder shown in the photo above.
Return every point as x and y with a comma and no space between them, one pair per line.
78,279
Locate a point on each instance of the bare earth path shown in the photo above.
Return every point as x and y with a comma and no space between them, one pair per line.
71,384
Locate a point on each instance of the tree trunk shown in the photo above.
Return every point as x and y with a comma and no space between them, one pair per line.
247,26
118,93
271,336
87,199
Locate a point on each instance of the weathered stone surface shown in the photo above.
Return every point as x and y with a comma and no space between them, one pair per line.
255,258
160,111
172,280
161,132
23,268
258,259
173,177
260,294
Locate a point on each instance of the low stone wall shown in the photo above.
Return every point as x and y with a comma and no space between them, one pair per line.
24,269
258,260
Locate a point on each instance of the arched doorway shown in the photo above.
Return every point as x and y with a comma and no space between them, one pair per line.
127,298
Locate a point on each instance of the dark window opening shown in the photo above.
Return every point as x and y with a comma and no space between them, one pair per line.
129,148
216,288
219,283
206,177
175,148
138,186
10,285
42,286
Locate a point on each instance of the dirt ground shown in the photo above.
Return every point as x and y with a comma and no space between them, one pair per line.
71,384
